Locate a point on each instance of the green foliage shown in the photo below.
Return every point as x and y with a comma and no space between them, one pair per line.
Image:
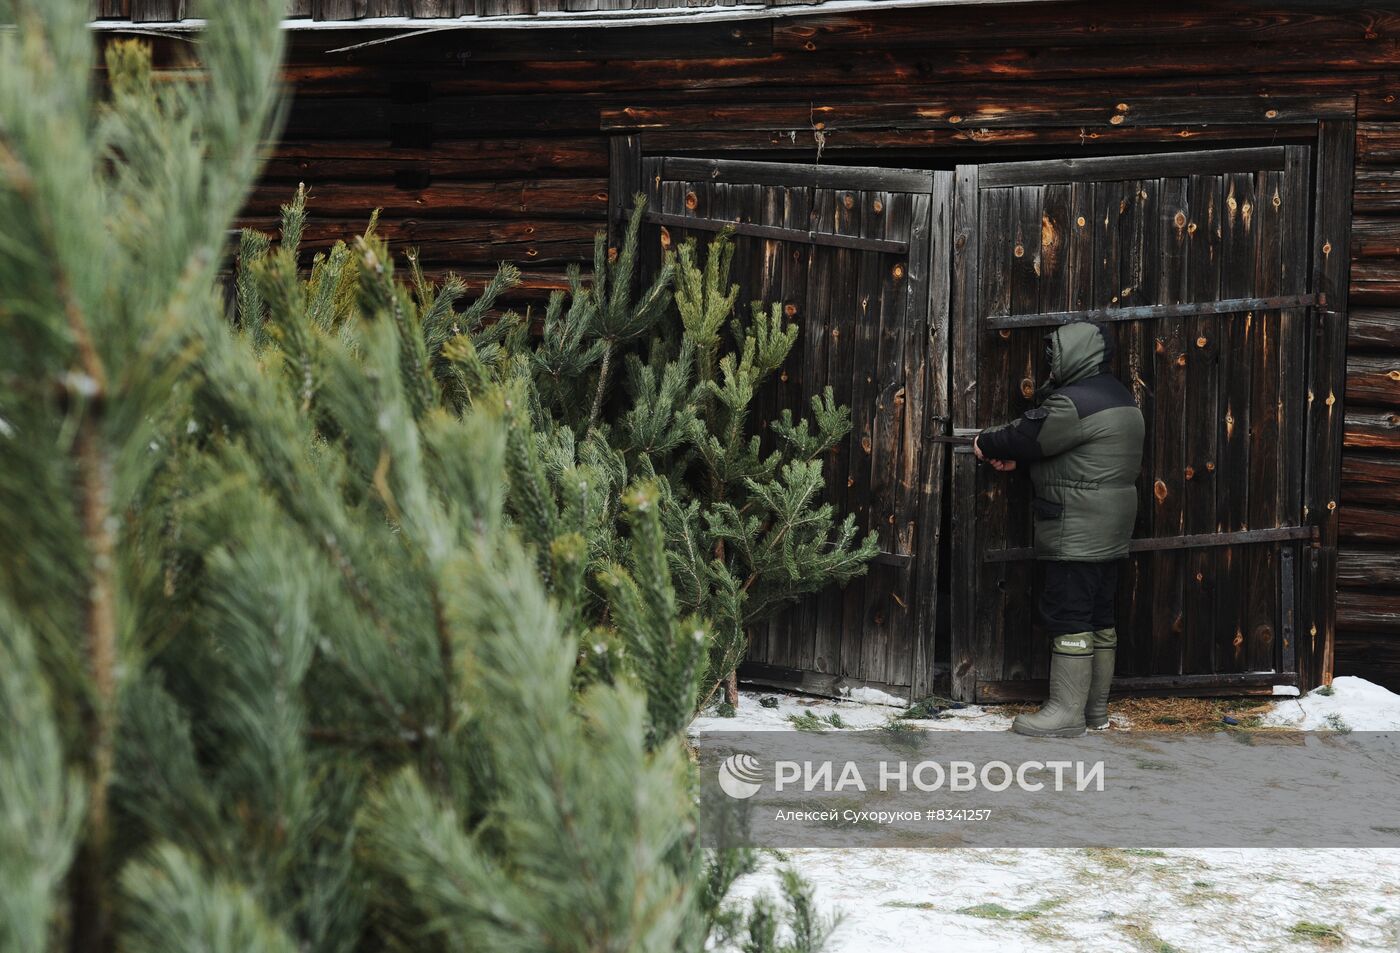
294,636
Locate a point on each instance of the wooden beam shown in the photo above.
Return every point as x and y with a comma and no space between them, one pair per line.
1372,429
778,233
979,112
1148,312
1241,683
1117,168
678,168
1368,568
1192,541
624,182
966,544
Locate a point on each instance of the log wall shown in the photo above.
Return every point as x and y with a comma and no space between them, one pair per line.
488,145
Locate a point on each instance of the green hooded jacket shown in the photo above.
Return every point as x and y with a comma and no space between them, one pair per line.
1083,447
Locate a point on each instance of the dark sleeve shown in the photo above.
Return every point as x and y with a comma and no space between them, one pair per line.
1019,440
1041,432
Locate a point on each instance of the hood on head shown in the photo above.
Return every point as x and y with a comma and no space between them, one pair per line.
1079,350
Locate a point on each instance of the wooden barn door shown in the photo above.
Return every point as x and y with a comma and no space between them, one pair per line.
858,257
1200,262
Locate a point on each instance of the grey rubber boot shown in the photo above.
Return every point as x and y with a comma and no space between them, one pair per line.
1096,708
1071,669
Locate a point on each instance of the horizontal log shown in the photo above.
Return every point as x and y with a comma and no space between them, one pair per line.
1374,328
1373,379
1367,568
1370,478
584,198
1372,656
1240,683
1377,143
451,242
1368,611
1274,534
1149,312
1366,524
487,158
980,112
1107,24
1372,429
951,142
1375,237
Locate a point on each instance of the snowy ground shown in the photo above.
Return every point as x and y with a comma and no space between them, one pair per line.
1161,901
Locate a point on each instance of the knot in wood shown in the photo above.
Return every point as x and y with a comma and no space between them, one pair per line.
878,206
691,201
848,200
897,271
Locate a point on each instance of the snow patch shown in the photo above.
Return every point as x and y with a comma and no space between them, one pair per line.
873,696
1350,702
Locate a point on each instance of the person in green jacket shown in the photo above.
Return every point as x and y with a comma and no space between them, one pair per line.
1083,447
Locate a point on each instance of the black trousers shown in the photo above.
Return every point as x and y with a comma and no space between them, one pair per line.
1077,597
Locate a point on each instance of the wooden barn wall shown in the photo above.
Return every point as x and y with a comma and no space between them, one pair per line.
487,146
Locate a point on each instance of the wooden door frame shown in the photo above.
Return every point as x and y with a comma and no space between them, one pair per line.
1332,119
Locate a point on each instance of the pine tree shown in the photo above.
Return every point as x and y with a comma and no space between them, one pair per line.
287,677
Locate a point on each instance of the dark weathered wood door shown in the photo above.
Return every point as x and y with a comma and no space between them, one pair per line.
859,259
1200,262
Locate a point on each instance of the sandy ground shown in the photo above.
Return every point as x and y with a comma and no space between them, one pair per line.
1162,901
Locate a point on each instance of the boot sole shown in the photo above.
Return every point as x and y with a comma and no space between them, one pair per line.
1070,732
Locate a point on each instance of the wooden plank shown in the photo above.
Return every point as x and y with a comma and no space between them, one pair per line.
976,112
1375,237
777,233
1266,472
797,174
1368,611
851,334
927,407
1372,429
1123,168
157,11
336,9
966,545
1140,281
1295,269
1168,432
475,241
1237,278
954,142
1371,379
624,182
884,609
1102,24
1153,312
550,198
837,282
815,683
1368,568
1326,374
997,225
1024,647
1171,543
1202,385
1373,656
315,161
1367,524
1370,478
1243,683
1373,328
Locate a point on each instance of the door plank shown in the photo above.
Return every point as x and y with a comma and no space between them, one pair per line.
1202,380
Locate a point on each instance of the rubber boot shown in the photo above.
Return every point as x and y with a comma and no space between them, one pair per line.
1071,668
1096,708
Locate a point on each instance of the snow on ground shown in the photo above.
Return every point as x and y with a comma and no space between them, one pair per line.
1350,702
970,900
